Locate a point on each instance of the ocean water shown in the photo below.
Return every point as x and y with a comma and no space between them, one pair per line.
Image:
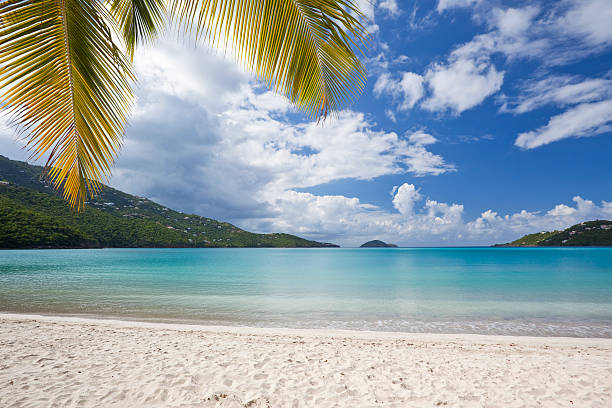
517,291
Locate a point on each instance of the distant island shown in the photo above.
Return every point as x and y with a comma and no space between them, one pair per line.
588,233
32,215
377,244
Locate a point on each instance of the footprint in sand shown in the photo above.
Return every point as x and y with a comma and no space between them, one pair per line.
261,363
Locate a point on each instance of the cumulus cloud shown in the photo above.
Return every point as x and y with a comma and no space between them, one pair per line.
512,226
221,146
461,85
468,76
417,219
348,221
587,119
405,91
390,6
561,210
405,197
306,154
513,22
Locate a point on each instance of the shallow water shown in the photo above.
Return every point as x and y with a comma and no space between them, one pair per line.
519,291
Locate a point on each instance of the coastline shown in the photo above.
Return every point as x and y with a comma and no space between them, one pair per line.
301,332
75,361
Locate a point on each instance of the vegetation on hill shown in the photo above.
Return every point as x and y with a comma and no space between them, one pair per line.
377,244
531,239
588,233
33,216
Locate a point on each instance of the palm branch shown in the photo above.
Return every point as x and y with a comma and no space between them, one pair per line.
66,81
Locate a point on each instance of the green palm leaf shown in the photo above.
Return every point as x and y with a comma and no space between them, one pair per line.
304,48
67,85
139,20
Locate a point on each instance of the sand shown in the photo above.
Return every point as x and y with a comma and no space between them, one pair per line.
71,362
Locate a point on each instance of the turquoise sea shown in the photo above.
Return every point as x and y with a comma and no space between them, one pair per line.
519,291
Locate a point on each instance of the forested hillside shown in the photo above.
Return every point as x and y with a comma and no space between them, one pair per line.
588,233
32,215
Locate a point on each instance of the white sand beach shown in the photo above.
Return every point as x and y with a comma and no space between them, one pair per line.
73,362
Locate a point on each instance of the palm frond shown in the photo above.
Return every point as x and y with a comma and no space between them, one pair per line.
139,20
304,48
67,86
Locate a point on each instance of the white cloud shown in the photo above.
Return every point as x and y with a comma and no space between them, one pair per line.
461,85
513,22
220,146
514,33
406,91
563,32
468,76
350,222
559,90
512,226
420,21
561,210
367,8
587,119
422,162
450,4
390,6
589,19
325,217
418,220
391,115
345,147
405,197
421,138
10,146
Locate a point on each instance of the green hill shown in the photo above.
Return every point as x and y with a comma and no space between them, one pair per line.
377,244
588,233
32,215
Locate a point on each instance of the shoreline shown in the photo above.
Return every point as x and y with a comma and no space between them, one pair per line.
299,332
75,361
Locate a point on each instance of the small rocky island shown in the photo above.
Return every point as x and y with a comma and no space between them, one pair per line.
377,244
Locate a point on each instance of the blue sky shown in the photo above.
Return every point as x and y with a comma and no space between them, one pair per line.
492,171
481,121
